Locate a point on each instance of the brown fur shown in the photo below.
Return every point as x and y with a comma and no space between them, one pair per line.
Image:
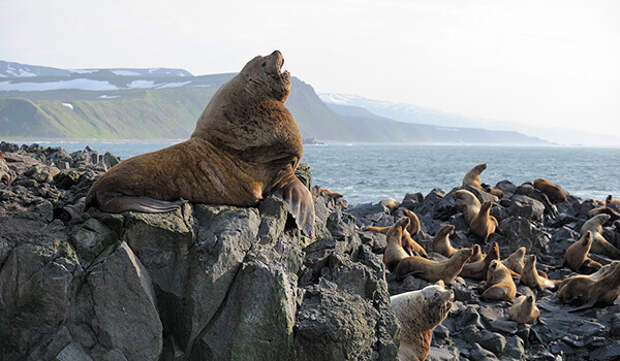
524,310
316,190
468,203
246,144
553,192
499,285
576,256
515,260
411,245
6,174
530,276
612,202
390,203
478,270
413,228
418,313
441,242
472,178
432,271
601,288
603,210
492,190
600,244
394,251
478,255
484,224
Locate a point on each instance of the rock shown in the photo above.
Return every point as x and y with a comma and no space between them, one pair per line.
515,348
523,206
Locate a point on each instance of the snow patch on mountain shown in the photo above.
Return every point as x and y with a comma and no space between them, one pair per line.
83,84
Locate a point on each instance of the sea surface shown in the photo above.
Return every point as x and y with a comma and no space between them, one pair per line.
371,172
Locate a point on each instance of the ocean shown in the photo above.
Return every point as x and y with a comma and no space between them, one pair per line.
371,172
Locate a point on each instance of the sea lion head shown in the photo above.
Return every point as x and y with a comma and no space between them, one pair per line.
609,198
520,252
530,261
493,252
480,167
438,299
265,78
402,222
529,300
446,229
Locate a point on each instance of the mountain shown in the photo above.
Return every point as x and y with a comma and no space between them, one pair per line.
165,103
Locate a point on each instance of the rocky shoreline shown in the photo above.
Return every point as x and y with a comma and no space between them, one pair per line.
229,283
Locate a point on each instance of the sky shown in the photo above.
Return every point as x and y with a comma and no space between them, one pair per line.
539,64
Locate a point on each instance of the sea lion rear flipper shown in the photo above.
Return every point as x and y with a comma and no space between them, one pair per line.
139,204
300,205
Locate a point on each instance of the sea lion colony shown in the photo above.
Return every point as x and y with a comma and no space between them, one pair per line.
498,276
246,145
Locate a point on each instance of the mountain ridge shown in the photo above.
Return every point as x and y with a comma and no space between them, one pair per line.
129,103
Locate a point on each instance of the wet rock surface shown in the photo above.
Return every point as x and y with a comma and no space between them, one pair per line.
228,283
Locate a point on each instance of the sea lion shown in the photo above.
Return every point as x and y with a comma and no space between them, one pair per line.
411,246
413,228
468,203
6,174
612,202
524,310
515,260
484,224
599,289
554,192
600,244
576,256
418,313
246,144
446,270
390,203
441,241
478,270
472,179
394,251
478,255
316,190
530,276
499,285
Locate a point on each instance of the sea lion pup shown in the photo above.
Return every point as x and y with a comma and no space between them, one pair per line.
524,310
468,203
530,276
478,255
413,228
316,190
590,291
554,192
418,313
441,241
394,251
246,144
478,270
576,256
515,260
500,285
600,244
433,271
484,224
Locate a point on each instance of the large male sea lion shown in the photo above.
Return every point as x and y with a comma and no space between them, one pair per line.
600,244
246,144
554,192
419,312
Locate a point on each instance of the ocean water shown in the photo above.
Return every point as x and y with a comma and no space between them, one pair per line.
369,173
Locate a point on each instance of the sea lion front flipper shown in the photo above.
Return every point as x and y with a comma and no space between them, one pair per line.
300,206
139,204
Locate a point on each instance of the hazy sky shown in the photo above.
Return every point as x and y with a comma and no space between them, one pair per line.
544,63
